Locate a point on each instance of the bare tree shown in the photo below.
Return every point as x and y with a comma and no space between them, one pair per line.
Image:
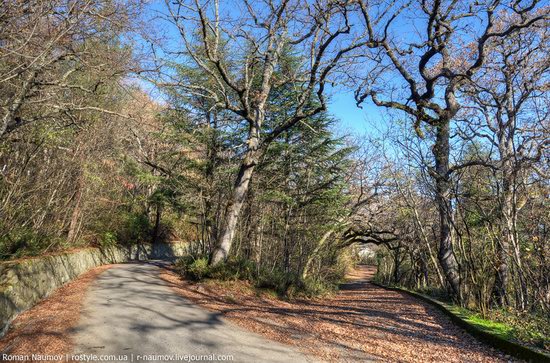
239,47
510,99
427,73
57,55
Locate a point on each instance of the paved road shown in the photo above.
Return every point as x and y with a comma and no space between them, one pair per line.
130,310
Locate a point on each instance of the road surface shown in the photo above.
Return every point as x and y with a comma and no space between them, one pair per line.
129,312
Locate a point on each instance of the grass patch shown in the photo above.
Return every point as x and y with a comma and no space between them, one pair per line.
525,335
526,328
493,327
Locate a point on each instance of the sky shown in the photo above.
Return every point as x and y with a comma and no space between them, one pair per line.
351,119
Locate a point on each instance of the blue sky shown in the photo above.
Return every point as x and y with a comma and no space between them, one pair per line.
352,119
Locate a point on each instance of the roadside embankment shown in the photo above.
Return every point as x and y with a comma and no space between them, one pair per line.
25,282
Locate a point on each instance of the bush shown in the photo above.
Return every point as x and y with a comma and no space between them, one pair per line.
316,287
193,268
284,284
532,328
199,269
108,239
24,242
123,227
275,280
235,269
134,228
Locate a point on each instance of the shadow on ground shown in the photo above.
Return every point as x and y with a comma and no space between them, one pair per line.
130,310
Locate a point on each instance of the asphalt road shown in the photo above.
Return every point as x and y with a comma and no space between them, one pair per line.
130,313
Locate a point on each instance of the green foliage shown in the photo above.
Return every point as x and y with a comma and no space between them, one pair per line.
124,228
22,242
502,330
135,228
291,285
529,327
198,269
108,239
315,286
283,284
234,269
275,280
193,268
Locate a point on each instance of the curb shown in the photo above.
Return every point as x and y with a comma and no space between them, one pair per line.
506,346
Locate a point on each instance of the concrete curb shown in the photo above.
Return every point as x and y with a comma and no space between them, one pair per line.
506,346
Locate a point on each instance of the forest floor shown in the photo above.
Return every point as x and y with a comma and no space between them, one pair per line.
362,322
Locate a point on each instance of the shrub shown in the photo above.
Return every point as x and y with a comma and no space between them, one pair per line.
235,269
199,269
122,227
317,287
276,280
134,228
108,239
193,268
24,242
284,284
532,328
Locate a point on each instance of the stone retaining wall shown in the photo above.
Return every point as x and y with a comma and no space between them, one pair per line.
24,283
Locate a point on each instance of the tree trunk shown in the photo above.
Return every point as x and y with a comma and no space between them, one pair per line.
15,103
503,245
238,197
446,255
508,243
397,264
232,213
156,229
74,224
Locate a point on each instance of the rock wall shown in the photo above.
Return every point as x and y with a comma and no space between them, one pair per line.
24,283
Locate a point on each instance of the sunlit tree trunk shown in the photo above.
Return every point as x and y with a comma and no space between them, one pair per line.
238,196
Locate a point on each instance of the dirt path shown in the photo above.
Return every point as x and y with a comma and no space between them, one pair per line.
362,322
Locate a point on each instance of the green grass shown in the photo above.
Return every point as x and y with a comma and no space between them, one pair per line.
525,328
493,327
529,329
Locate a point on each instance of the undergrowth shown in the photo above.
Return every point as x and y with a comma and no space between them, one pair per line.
283,284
